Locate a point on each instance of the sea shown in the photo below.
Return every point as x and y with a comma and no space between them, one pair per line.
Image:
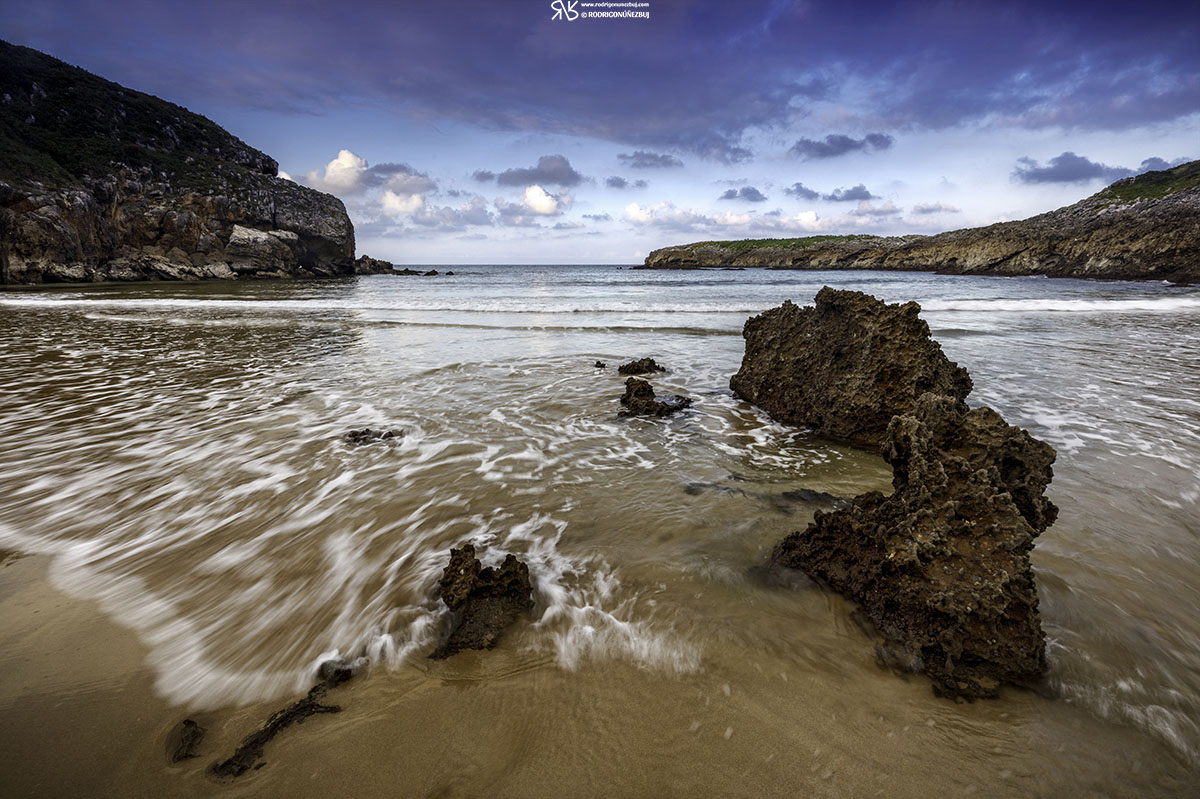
175,454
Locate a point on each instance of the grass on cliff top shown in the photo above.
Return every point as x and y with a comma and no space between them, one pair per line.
744,245
59,123
1152,185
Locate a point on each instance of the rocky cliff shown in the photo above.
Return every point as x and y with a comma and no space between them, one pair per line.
1141,228
100,182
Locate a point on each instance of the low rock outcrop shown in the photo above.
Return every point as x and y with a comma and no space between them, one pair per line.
642,366
366,265
369,435
639,400
100,182
941,565
484,601
1145,227
844,367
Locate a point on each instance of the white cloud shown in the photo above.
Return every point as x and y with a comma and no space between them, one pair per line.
538,201
346,174
285,176
397,204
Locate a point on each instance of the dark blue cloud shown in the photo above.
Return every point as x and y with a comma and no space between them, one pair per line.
598,217
747,193
692,79
802,191
617,182
552,169
643,159
1068,167
925,209
836,144
483,175
858,192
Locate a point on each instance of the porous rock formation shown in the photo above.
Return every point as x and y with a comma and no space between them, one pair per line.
941,565
99,182
484,601
639,400
1145,227
642,366
844,367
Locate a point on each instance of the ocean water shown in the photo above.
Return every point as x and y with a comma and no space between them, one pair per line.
176,451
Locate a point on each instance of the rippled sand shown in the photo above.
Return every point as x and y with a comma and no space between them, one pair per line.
174,455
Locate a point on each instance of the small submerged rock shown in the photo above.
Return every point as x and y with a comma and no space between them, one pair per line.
601,365
639,400
249,754
644,366
368,435
184,741
485,601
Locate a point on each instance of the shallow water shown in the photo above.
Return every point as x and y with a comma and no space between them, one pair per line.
175,450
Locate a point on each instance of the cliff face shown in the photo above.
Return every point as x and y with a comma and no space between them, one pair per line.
99,182
1141,228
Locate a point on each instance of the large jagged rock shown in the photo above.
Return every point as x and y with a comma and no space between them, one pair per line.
844,367
639,400
485,601
99,182
941,566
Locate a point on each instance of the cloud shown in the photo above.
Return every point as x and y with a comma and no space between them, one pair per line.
645,159
802,191
1066,167
553,170
875,211
747,193
568,225
472,213
398,204
598,217
935,208
285,176
851,194
665,215
350,174
836,144
616,182
541,202
483,175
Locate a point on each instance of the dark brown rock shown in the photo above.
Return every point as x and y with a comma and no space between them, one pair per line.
484,601
844,367
249,754
644,366
185,741
369,436
639,400
941,566
366,265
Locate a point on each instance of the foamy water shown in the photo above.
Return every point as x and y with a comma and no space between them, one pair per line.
177,449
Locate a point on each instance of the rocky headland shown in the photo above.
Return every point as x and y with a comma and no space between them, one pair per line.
940,567
1140,228
99,182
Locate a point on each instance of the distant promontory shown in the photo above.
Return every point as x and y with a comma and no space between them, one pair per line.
99,182
1141,228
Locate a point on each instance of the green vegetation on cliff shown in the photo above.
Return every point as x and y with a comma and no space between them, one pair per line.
1152,185
59,123
742,245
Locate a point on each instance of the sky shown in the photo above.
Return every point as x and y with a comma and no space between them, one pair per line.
511,131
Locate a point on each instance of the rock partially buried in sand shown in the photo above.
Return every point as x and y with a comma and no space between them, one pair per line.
601,365
485,601
367,435
644,366
639,400
844,367
185,741
941,566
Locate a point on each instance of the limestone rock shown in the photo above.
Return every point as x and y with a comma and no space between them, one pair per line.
366,265
844,367
485,601
941,566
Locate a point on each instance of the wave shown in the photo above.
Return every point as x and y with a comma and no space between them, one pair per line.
1145,304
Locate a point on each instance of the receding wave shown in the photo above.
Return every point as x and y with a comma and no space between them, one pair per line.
1146,304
